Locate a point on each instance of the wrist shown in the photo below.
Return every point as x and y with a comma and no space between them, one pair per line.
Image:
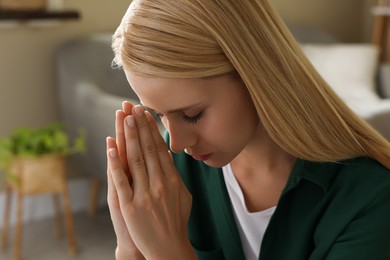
188,251
178,252
124,255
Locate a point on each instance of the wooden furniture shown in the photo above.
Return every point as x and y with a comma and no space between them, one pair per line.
95,190
381,33
46,174
6,15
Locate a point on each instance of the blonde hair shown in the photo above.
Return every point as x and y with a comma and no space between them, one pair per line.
202,38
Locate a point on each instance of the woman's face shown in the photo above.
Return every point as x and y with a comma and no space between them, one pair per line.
212,119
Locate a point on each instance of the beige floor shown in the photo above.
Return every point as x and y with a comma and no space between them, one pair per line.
95,240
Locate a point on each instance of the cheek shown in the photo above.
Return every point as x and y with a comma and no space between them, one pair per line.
219,130
234,128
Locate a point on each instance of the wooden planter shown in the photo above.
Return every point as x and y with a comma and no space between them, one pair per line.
32,176
18,5
39,175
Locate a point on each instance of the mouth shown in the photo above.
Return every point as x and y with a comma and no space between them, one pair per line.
202,157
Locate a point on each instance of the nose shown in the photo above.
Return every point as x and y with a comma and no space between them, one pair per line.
179,137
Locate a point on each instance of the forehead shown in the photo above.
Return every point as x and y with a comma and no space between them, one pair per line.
144,85
167,93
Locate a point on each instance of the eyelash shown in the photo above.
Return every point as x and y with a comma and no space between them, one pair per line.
191,120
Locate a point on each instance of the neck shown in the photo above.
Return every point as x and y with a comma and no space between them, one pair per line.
262,156
262,170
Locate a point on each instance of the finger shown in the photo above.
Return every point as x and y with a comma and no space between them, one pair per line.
119,178
165,158
112,195
112,198
126,107
118,222
123,236
148,146
135,157
121,142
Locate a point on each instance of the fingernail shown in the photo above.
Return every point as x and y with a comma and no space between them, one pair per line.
138,110
149,117
112,152
130,121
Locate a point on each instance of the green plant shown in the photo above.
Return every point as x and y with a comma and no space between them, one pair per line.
28,142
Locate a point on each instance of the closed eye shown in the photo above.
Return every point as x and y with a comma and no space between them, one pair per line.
193,119
189,119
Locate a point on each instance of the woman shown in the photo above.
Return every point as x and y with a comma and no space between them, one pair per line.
273,164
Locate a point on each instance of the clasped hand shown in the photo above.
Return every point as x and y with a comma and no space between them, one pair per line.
148,202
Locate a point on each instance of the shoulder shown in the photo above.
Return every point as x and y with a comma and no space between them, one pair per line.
364,186
365,172
364,165
350,185
360,185
360,171
355,215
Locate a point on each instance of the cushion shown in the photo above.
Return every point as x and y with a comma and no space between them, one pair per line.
350,70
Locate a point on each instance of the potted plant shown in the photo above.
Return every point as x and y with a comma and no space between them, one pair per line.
34,159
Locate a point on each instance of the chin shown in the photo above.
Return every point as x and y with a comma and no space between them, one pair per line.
216,164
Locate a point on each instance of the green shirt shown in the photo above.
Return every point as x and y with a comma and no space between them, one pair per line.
326,211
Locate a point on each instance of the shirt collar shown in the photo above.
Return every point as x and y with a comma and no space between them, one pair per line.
319,173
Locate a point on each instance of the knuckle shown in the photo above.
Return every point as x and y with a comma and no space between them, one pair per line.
111,195
115,167
113,200
175,180
113,203
161,147
122,183
149,148
144,201
160,191
138,161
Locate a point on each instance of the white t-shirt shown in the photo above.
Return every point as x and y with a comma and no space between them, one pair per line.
251,225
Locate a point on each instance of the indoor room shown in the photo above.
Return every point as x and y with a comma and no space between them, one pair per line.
60,90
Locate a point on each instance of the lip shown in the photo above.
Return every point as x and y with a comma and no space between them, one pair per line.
202,157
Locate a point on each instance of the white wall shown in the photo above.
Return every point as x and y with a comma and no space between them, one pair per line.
27,78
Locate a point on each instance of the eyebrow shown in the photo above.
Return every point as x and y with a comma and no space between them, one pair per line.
173,110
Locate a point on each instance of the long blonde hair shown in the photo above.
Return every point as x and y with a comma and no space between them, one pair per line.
202,38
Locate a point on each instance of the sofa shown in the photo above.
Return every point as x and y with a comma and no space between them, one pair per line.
353,73
90,90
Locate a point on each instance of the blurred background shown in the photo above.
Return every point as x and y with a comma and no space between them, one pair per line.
30,96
